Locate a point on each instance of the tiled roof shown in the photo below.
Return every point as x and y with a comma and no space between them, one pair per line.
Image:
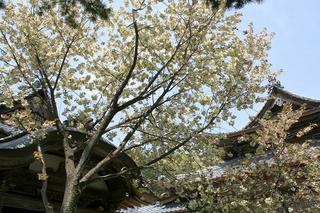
19,139
217,171
284,93
239,164
15,139
11,131
157,208
16,143
281,94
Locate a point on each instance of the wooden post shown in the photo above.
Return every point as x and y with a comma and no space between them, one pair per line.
27,203
1,204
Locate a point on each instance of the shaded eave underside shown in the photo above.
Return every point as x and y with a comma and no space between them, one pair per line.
17,149
313,113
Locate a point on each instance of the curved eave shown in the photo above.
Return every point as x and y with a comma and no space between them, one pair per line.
17,149
268,105
294,97
231,139
284,95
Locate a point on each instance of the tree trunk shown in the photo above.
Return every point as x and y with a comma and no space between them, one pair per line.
71,196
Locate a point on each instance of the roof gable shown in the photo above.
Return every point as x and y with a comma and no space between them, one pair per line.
276,98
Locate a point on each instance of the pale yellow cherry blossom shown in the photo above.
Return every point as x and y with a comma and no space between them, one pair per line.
150,79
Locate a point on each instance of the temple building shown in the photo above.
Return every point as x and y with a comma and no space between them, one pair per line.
272,107
20,189
239,148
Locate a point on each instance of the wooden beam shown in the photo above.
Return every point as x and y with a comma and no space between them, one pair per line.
1,204
28,203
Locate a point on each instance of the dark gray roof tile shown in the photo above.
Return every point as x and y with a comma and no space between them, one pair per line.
157,208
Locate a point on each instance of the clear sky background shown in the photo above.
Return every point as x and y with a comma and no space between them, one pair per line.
295,47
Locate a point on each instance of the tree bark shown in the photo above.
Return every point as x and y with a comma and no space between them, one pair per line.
71,196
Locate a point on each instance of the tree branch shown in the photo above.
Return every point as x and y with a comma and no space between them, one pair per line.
17,63
133,65
113,110
62,63
44,178
122,145
187,139
118,174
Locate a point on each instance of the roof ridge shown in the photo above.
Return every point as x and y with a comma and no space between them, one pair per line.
277,89
278,92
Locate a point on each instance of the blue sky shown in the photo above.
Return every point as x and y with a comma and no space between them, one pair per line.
295,47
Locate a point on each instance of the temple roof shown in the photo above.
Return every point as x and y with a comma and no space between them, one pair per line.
165,208
273,105
8,134
19,143
276,98
17,160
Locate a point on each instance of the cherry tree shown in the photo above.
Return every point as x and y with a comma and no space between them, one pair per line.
280,176
152,77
